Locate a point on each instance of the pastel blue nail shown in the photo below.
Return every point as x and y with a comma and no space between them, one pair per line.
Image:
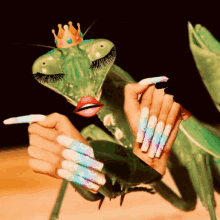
149,133
142,124
84,172
82,159
75,145
24,119
81,148
154,144
156,139
148,136
77,179
81,181
159,79
163,140
153,80
89,174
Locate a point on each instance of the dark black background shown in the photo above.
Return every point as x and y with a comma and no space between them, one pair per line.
150,41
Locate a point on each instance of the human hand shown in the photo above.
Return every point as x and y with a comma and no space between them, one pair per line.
49,138
154,122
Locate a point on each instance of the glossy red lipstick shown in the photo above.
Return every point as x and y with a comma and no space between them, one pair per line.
88,106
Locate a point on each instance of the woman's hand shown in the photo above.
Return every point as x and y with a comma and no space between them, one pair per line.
58,150
154,122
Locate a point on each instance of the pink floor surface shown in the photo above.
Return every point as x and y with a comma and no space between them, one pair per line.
25,195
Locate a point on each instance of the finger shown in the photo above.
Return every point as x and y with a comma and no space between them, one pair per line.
133,90
154,113
44,167
86,173
169,125
41,154
25,119
45,144
165,109
75,145
62,124
185,114
82,159
78,179
145,106
167,149
171,137
47,133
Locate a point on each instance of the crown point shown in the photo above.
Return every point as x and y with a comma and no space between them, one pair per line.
65,27
68,36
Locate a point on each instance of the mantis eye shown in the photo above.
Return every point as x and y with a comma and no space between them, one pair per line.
44,63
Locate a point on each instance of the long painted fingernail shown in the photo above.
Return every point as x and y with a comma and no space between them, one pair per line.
75,145
156,139
24,119
149,133
82,159
153,80
77,179
163,140
142,124
84,172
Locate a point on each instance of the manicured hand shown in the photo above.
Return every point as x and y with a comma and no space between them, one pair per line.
58,149
154,121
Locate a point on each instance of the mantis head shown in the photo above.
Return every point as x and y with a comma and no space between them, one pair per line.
77,72
206,52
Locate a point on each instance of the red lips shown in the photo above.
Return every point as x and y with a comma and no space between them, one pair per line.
91,105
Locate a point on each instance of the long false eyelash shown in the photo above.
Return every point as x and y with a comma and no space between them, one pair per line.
100,63
48,78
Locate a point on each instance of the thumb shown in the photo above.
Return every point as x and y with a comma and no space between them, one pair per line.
133,90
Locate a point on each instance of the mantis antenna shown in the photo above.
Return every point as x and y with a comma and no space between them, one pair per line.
89,28
37,45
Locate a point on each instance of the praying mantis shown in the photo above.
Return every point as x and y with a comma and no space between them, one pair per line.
88,70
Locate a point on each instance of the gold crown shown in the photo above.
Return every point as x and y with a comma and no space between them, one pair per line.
68,36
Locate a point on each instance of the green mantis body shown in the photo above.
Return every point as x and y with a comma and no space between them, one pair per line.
88,69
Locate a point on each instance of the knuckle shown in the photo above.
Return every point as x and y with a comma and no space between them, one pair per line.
31,128
30,163
127,87
31,150
33,139
154,112
55,115
59,117
162,117
171,121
